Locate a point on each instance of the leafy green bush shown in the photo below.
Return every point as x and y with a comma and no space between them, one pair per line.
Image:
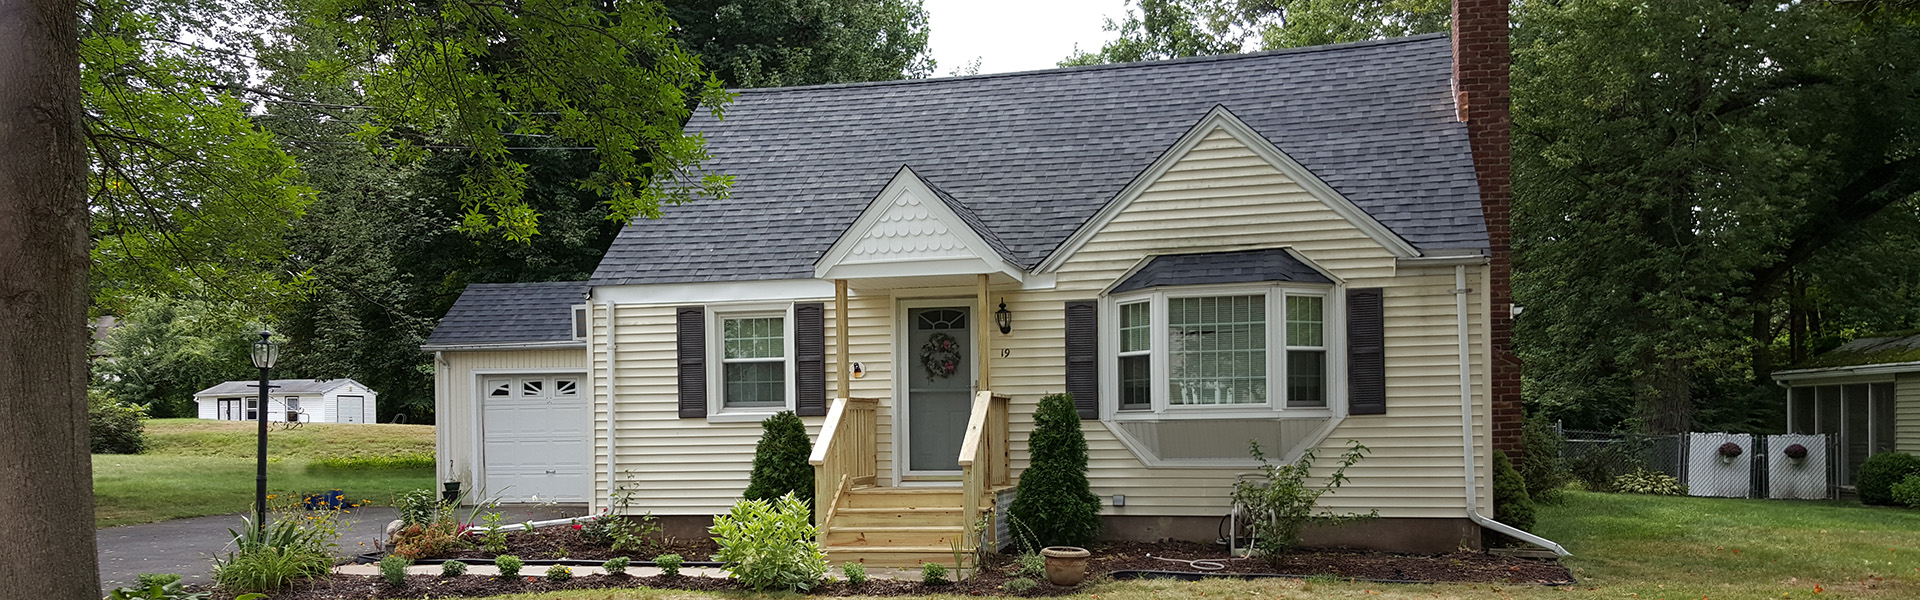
856,573
1907,492
411,460
393,568
559,573
168,590
933,574
1541,464
1019,585
147,580
616,565
1031,564
1511,504
1054,499
115,427
270,558
780,464
669,564
1643,481
770,544
1880,472
1279,503
508,564
493,535
631,534
453,568
416,507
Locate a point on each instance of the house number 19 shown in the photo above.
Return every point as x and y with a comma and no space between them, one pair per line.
1006,352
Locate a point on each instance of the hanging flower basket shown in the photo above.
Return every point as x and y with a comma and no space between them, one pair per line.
1796,453
1730,451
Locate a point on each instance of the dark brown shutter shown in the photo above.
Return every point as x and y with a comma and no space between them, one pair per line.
692,343
1366,352
810,359
1083,356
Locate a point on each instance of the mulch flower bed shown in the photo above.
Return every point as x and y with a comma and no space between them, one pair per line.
1458,567
565,542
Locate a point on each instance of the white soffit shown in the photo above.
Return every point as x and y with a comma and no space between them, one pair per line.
908,231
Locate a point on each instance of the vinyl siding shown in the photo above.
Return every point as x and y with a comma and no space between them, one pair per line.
1906,412
455,400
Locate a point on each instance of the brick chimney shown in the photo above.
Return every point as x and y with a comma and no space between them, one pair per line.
1480,62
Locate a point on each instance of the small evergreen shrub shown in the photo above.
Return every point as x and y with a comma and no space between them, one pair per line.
934,574
1541,464
669,564
453,568
1643,481
1055,501
1880,472
559,573
780,464
393,568
1907,492
509,565
856,573
1511,504
770,544
115,427
1019,585
616,565
1280,503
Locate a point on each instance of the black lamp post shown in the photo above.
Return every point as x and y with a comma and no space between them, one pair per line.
265,352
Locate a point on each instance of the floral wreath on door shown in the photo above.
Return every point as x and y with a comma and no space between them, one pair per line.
940,356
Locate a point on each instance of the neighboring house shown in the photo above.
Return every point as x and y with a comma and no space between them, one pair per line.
301,400
1864,394
1291,248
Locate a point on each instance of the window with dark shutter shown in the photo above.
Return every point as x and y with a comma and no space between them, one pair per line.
691,327
1366,352
810,359
1083,356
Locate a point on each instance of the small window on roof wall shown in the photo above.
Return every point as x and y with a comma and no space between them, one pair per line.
579,322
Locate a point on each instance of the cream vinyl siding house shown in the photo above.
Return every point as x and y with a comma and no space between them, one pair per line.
1287,247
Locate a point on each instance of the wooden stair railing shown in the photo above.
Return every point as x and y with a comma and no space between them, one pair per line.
845,456
983,461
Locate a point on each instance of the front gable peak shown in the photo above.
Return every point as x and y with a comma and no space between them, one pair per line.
912,228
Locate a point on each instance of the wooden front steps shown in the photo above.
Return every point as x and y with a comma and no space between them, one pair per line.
898,527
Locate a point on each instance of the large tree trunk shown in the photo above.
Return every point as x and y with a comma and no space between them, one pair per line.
46,474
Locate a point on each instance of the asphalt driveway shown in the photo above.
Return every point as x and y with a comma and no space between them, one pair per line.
187,546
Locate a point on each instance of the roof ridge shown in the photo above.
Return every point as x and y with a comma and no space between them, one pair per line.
1103,67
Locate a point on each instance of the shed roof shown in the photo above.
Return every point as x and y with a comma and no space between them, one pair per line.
280,386
1032,156
1869,351
509,314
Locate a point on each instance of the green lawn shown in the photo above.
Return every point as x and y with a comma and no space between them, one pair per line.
194,468
1628,547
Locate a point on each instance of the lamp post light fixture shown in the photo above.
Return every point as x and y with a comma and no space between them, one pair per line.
1003,318
265,352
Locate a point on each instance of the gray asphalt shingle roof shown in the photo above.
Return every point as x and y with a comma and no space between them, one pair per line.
510,313
280,386
1221,267
1034,155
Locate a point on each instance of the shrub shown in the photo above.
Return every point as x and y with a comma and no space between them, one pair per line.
1643,481
1031,564
596,532
267,559
147,580
1019,585
559,573
415,542
1879,473
416,507
493,535
770,544
780,464
508,564
933,574
1594,470
631,534
1907,492
669,564
1054,500
616,565
453,568
411,460
1280,503
1541,463
393,568
856,573
1511,504
115,427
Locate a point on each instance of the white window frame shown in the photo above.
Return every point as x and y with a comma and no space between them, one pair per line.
579,322
1333,342
717,410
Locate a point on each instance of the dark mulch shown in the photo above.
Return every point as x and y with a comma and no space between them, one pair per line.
1458,567
565,542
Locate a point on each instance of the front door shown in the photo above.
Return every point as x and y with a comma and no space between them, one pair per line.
939,381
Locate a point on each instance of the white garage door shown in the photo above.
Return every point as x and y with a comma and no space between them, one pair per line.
536,438
351,408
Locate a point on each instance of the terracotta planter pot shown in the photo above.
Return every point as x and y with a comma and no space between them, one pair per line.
1066,565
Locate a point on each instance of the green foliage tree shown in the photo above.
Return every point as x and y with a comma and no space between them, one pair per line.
1163,29
769,43
163,350
780,464
1296,23
1055,501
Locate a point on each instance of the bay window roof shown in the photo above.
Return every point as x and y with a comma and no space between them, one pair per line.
1244,266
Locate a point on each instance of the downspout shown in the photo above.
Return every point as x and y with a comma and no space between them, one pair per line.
1460,292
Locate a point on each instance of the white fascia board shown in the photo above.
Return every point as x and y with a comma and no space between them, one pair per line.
905,181
1222,119
714,291
1440,261
1848,371
559,345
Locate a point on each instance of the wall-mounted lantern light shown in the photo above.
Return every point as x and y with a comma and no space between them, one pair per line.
1004,317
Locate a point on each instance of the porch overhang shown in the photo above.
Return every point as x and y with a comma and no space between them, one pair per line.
912,234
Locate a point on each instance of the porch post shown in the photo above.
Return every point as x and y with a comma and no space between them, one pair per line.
983,340
840,338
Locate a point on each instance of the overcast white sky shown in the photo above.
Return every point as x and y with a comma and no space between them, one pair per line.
1015,35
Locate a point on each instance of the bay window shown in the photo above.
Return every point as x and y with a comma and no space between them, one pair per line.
1220,350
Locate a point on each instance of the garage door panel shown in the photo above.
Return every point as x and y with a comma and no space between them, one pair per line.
536,443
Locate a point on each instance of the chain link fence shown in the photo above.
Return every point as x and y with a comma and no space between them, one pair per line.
1725,465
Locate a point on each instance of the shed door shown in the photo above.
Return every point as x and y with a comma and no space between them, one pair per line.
536,439
351,409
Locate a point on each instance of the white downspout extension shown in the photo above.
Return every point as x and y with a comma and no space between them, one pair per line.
1460,292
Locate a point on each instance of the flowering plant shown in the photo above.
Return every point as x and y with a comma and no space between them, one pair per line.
1731,450
940,356
1796,452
